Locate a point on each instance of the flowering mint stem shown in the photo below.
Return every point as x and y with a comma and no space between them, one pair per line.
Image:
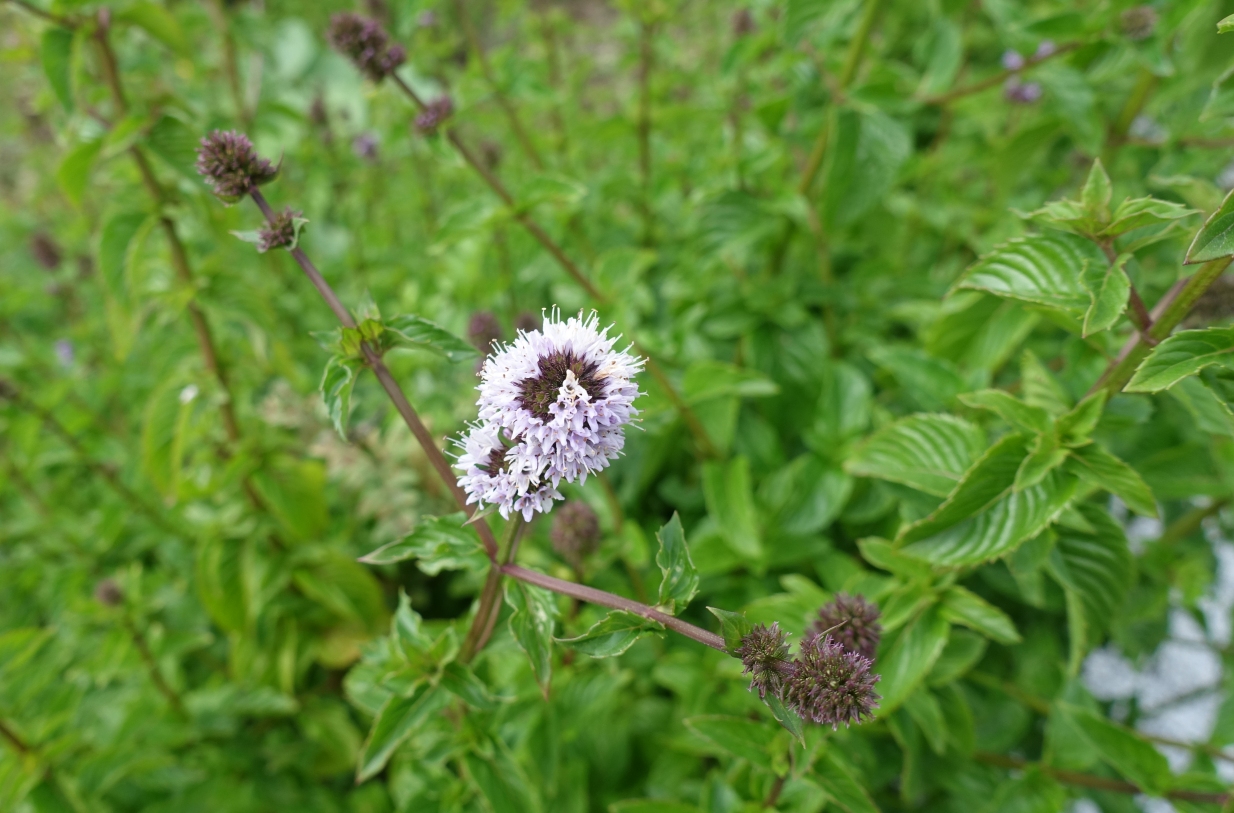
1167,314
490,596
998,78
405,409
516,124
645,54
701,438
1096,782
152,666
616,602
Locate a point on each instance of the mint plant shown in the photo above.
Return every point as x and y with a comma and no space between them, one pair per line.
627,407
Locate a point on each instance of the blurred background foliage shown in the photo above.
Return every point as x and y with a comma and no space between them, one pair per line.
776,199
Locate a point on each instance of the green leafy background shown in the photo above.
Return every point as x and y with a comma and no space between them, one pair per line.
885,289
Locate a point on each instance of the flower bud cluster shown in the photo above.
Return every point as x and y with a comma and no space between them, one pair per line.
228,162
434,115
366,44
279,233
830,681
575,532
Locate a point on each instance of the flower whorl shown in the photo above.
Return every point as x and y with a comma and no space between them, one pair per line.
852,621
228,162
830,685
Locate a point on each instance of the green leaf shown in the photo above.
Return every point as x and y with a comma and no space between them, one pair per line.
1211,413
613,634
926,712
459,680
1137,760
74,171
651,806
729,494
407,630
1141,212
1109,289
865,155
159,23
437,544
962,606
679,581
705,380
1020,415
932,383
221,575
1215,239
1045,457
1041,269
337,382
963,651
1040,386
926,452
56,54
905,661
294,490
535,612
397,720
1225,25
173,141
165,427
733,627
416,332
1075,427
786,717
501,780
837,779
1034,792
1095,563
1096,194
1183,354
743,738
1096,466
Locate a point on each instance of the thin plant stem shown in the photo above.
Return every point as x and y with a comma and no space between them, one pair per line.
1096,782
405,410
553,61
26,751
156,675
1167,314
615,602
857,48
30,8
998,78
1190,522
645,59
777,787
516,123
218,14
1143,88
701,438
490,597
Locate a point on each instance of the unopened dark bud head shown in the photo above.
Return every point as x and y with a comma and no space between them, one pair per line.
490,151
434,115
45,251
483,329
8,390
527,321
852,621
743,22
764,654
830,685
281,233
108,593
1139,23
228,162
366,44
575,532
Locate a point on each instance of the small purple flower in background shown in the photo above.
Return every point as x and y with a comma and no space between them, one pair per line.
365,147
45,251
575,533
436,112
427,19
483,330
526,322
1139,23
1045,49
231,166
366,44
764,654
1012,60
1018,92
853,622
564,393
830,685
502,475
108,593
64,352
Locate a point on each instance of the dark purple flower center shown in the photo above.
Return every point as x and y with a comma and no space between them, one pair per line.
538,393
498,461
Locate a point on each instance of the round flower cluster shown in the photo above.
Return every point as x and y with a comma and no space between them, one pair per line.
434,115
553,406
228,162
279,233
366,44
853,622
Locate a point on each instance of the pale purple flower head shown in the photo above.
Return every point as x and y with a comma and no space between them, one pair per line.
1012,60
64,352
499,472
564,394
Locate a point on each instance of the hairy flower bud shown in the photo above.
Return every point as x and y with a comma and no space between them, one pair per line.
1139,22
282,233
483,330
764,654
433,115
830,685
108,593
575,532
366,44
231,166
853,622
45,251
